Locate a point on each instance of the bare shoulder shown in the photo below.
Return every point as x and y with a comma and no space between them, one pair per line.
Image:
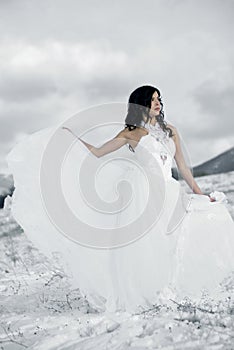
175,136
135,133
172,127
174,130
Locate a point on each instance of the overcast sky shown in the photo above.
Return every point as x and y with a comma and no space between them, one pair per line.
60,56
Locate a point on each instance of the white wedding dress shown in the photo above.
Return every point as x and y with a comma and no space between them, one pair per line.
176,244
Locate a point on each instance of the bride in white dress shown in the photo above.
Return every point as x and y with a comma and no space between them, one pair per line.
167,242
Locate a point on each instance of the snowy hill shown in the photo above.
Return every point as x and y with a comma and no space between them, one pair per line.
222,163
40,310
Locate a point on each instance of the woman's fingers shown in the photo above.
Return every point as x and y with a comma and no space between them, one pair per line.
64,127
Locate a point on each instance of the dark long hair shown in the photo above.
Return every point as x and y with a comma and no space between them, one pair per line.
139,103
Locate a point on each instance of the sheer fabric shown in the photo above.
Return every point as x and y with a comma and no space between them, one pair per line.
184,243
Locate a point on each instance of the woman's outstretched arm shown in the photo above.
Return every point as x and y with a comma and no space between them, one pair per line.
110,146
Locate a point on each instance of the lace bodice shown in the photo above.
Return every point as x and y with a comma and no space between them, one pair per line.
160,146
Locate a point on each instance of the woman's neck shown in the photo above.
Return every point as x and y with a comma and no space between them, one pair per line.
152,121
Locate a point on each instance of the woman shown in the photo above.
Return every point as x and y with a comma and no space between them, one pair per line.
166,240
148,97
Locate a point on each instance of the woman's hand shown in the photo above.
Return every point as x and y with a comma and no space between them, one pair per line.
211,199
218,197
65,128
203,194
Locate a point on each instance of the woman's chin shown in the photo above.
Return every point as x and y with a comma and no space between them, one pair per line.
154,113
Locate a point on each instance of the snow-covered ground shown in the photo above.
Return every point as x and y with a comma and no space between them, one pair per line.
39,310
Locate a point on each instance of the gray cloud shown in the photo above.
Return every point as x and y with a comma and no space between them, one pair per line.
217,104
59,56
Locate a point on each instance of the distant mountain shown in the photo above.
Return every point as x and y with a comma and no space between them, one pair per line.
222,163
6,187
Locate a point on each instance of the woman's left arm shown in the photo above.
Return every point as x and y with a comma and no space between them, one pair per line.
181,164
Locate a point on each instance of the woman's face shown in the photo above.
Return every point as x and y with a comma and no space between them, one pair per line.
155,104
